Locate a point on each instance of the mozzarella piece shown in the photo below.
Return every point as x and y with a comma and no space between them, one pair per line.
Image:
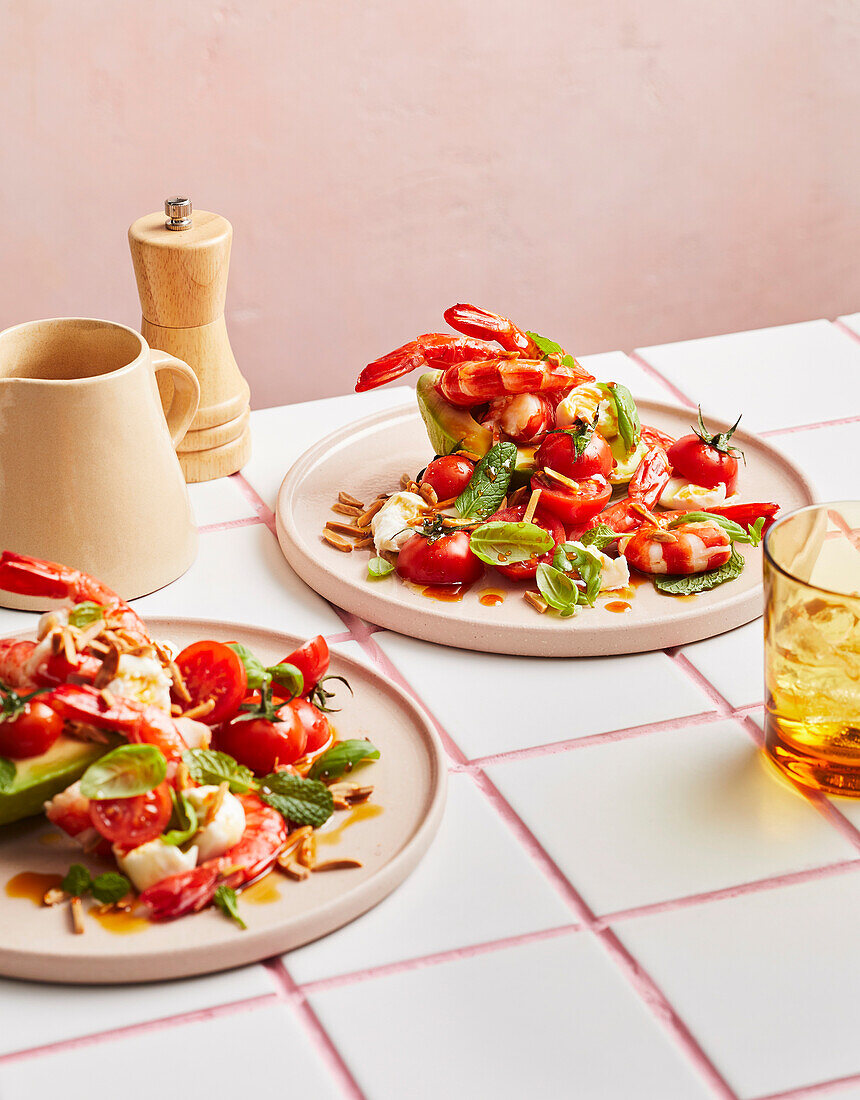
390,525
614,572
143,680
682,494
580,404
151,862
196,735
226,827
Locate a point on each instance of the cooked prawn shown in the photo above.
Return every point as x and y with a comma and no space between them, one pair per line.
474,321
687,548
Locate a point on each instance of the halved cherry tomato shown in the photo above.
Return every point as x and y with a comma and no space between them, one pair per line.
311,660
448,476
572,506
212,670
558,452
524,570
261,744
316,725
129,822
445,560
31,732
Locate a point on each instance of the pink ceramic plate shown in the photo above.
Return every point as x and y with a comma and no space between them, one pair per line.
409,793
368,458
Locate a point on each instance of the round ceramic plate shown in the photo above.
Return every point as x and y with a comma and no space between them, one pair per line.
367,458
389,838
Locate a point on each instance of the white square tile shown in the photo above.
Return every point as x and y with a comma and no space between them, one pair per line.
219,501
666,815
241,575
192,1059
548,1020
34,1014
777,377
827,456
733,662
852,321
281,434
767,982
615,366
474,695
476,884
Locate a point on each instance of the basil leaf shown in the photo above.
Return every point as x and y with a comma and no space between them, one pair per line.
379,567
7,773
289,677
589,565
209,767
82,614
734,530
557,589
754,531
599,537
184,820
544,345
341,758
254,668
110,887
504,543
225,899
489,483
561,561
77,881
124,772
689,584
629,426
301,801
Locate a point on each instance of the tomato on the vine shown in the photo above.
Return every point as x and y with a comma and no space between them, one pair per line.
28,727
573,506
445,559
525,570
316,726
448,476
262,743
705,459
311,659
129,822
577,453
212,670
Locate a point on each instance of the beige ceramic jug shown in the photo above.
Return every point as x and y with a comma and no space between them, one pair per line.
88,470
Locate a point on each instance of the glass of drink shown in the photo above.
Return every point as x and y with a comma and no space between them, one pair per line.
812,646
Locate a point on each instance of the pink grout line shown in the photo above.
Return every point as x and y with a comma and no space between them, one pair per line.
846,329
452,955
702,682
678,394
229,524
821,1088
263,511
810,427
344,636
160,1024
324,1044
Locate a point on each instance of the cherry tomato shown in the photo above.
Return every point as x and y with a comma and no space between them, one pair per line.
212,670
315,723
524,570
558,452
703,464
261,744
572,506
446,560
448,476
31,732
311,660
129,822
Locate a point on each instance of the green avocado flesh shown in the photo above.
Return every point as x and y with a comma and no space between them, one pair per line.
451,428
41,777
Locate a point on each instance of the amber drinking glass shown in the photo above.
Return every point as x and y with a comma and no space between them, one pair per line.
812,646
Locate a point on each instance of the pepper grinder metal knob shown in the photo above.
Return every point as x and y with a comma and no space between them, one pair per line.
181,260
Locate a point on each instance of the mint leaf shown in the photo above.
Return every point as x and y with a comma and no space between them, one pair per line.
379,567
124,772
629,425
301,801
184,820
501,542
110,887
207,766
341,758
489,483
77,881
691,583
225,899
7,773
754,531
287,676
599,537
82,614
254,668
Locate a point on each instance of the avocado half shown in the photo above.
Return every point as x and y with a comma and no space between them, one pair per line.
41,777
451,428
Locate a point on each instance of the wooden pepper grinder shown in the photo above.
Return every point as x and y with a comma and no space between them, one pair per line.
181,269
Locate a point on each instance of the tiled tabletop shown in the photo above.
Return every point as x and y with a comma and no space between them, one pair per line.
623,901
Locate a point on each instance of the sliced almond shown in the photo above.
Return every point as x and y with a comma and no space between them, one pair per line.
344,528
428,493
404,480
54,896
307,852
363,544
562,479
216,803
348,498
531,507
201,710
77,909
337,541
536,600
446,503
472,457
365,518
295,870
338,865
346,509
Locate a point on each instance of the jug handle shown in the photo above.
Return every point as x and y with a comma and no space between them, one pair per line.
186,394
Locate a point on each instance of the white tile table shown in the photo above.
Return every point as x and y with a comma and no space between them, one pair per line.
622,902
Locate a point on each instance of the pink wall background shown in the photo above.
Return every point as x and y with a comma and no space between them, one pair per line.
611,174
